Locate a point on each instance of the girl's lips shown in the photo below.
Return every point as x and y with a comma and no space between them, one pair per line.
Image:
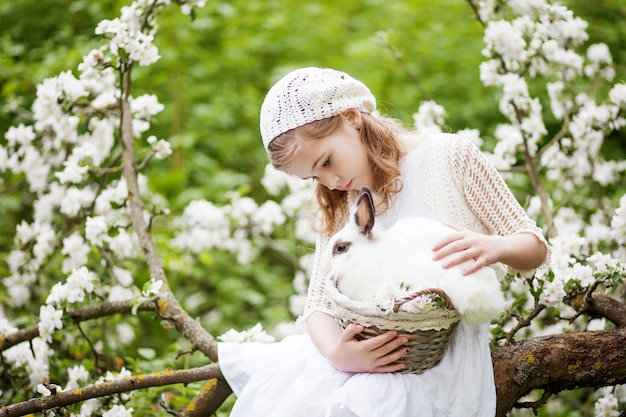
347,187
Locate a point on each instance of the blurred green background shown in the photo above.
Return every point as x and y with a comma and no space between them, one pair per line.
215,68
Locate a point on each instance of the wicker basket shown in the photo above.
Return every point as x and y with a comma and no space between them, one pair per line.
429,332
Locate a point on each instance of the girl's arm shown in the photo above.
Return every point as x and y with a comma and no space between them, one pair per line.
514,239
522,251
348,354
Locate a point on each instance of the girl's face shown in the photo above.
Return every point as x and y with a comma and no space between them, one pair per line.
338,161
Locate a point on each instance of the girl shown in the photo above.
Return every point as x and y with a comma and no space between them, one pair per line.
318,124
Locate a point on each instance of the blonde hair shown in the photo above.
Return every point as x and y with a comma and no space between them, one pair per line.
379,135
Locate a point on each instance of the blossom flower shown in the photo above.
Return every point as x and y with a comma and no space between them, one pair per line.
268,215
76,252
125,333
429,116
73,172
41,388
618,222
49,320
152,288
618,94
118,293
96,230
46,206
145,106
504,39
89,407
124,244
254,334
553,293
6,327
161,148
123,276
45,241
606,406
473,135
20,136
118,411
115,194
80,282
75,199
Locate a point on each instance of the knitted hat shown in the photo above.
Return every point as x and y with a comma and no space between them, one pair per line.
309,94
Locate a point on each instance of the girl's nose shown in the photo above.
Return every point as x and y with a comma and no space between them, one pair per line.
330,181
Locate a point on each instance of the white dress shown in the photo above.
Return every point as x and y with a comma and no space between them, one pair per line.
292,379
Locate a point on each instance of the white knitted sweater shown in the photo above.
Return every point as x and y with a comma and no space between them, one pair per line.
447,178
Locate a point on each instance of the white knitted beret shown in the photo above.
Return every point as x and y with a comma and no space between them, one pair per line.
309,94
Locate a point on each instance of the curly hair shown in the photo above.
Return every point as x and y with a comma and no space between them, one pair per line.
378,134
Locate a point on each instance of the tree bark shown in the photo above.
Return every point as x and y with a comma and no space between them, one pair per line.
558,363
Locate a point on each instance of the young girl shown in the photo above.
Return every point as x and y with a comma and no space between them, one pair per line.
318,124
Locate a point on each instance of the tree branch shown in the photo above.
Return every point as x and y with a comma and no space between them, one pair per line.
169,307
524,321
104,309
558,363
135,382
206,403
602,305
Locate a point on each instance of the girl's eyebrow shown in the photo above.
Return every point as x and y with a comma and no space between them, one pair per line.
316,162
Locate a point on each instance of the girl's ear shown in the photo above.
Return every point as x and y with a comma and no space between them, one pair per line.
352,117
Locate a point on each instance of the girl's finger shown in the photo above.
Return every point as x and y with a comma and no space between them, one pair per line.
351,331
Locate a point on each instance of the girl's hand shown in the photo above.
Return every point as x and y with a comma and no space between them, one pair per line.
372,355
520,250
465,245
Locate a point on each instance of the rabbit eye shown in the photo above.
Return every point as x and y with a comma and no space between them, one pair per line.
340,247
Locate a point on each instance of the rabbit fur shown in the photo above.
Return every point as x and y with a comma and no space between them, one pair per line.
366,261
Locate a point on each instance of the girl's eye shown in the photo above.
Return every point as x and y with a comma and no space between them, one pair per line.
326,162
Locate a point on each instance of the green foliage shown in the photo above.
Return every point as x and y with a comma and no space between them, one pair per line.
212,77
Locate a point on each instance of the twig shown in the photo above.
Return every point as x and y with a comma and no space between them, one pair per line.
525,321
398,56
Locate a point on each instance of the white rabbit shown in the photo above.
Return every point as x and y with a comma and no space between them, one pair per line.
365,261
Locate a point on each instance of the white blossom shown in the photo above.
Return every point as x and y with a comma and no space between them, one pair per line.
161,148
553,293
77,375
145,106
618,95
96,230
124,244
429,117
606,406
123,276
20,136
118,293
89,407
152,288
267,216
254,334
118,411
125,333
76,251
41,388
49,320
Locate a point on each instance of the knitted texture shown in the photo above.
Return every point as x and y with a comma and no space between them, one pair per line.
461,187
309,94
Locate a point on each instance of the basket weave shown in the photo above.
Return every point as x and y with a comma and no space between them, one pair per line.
429,332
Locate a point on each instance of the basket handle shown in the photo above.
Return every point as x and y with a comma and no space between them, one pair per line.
438,291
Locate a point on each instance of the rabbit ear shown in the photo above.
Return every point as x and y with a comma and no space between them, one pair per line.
364,213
